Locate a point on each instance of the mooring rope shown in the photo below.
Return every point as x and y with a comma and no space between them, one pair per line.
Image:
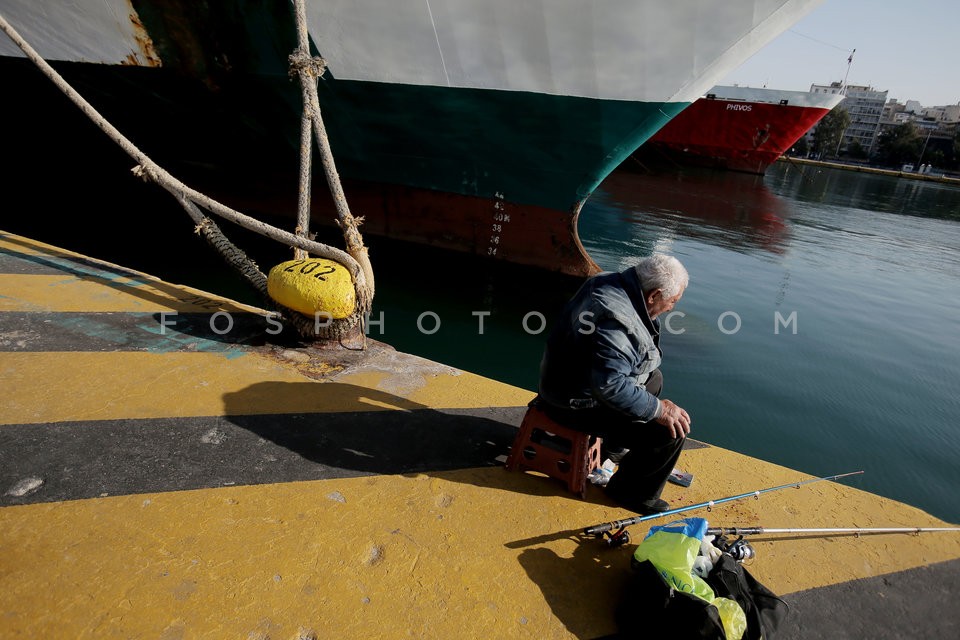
149,170
309,70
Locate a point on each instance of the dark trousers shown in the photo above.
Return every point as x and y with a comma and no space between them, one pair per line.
643,472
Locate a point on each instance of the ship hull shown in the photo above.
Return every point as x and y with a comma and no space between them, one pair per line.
401,168
738,129
475,128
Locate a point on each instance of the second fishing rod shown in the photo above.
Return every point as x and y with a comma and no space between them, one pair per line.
621,536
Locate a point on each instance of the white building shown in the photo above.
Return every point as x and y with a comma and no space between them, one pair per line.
913,106
949,114
865,106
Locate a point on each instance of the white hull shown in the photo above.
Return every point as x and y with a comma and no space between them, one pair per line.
643,50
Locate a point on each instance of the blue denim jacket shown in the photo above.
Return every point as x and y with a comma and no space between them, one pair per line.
602,349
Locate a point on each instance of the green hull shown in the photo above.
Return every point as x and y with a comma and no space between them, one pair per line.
531,149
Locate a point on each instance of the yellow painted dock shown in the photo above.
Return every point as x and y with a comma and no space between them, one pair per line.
170,469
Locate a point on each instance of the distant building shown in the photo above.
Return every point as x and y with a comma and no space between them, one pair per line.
912,106
894,113
945,118
871,113
949,114
937,125
866,108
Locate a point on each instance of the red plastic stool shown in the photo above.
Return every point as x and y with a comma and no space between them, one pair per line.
546,446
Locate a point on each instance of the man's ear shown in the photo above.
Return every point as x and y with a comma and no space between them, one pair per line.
653,294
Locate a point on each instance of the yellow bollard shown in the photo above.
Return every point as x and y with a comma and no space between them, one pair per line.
312,285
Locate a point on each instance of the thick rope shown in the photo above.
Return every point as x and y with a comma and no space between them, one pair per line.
147,169
234,256
310,70
302,65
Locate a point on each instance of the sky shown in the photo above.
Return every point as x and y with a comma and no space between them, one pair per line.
910,48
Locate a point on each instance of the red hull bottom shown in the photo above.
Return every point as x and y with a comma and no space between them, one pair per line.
492,229
730,134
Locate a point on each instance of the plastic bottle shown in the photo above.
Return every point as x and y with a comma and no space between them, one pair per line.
602,474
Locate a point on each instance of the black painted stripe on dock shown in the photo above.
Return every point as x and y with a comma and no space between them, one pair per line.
129,331
79,460
56,262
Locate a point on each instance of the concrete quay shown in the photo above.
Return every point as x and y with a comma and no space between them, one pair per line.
162,477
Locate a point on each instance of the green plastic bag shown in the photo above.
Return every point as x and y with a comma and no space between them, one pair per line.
672,548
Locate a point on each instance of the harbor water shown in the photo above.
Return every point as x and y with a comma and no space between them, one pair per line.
820,330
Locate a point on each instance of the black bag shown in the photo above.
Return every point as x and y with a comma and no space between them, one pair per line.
764,610
649,602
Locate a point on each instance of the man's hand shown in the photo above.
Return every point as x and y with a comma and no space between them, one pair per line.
675,419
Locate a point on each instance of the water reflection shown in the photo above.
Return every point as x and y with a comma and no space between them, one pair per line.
733,210
867,191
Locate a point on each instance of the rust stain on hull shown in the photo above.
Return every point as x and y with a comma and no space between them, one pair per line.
147,56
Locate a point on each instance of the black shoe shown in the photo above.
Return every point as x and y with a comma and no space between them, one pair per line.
615,454
643,507
650,507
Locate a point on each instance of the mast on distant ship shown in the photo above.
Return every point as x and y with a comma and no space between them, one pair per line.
843,86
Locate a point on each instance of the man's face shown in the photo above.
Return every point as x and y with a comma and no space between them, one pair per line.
657,303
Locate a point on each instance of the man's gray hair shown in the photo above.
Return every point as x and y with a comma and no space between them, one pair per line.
664,272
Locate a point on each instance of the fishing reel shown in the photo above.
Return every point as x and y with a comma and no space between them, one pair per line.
739,549
618,538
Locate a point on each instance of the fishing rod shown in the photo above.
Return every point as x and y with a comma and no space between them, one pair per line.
752,531
620,536
741,550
